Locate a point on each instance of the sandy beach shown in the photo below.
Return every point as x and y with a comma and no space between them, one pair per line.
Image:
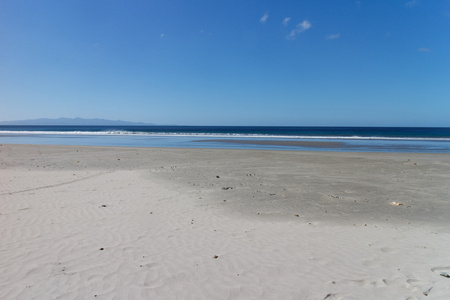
162,223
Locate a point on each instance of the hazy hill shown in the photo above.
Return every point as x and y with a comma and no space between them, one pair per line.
74,121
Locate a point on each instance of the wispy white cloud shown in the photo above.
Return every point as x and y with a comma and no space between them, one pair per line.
162,35
333,36
264,18
286,21
303,26
411,3
423,49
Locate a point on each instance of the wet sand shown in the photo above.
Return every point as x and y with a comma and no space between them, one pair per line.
279,143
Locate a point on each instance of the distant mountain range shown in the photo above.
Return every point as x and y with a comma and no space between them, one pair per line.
73,121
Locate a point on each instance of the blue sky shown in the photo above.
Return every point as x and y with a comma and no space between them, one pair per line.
233,62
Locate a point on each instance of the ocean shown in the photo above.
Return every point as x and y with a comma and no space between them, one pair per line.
360,139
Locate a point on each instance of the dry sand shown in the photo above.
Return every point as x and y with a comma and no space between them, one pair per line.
148,223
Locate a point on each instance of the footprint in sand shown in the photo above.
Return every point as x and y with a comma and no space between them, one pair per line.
387,250
366,282
154,275
443,271
424,286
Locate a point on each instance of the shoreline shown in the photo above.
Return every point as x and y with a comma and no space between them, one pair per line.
338,146
114,222
190,142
